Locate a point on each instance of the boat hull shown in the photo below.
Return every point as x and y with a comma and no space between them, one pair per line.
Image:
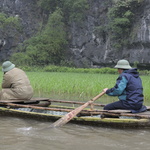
89,120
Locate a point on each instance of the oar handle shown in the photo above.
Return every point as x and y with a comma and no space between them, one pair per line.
98,96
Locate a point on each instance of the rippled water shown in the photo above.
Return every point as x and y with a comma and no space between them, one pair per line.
23,134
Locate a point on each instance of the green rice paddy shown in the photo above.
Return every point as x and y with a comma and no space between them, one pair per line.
78,86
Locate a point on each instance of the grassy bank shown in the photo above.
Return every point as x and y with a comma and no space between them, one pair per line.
77,86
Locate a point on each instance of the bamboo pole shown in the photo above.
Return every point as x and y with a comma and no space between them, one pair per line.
74,102
84,112
96,112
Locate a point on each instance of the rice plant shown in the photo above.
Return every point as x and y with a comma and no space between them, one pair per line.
77,86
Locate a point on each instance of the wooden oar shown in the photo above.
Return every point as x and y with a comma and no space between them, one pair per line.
66,118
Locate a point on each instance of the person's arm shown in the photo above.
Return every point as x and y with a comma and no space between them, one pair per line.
118,88
6,81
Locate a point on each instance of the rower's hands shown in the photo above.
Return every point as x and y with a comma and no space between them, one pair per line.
104,90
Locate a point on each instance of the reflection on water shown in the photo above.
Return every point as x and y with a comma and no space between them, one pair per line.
20,134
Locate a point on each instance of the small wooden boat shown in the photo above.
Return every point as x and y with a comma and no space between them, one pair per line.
51,110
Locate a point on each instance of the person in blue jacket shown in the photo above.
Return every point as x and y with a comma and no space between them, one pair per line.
128,88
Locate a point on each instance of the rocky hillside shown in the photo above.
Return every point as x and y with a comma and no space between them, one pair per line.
88,47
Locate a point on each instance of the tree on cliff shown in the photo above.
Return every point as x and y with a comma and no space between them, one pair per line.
47,47
50,44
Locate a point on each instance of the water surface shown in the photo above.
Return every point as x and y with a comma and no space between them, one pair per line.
24,134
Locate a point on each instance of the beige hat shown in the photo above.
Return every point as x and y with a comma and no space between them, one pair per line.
7,65
123,64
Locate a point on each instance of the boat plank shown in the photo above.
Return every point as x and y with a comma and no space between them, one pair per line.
119,111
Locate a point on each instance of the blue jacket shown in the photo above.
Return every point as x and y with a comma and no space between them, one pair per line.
129,89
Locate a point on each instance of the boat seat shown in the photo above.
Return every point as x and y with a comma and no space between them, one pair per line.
116,111
24,101
32,101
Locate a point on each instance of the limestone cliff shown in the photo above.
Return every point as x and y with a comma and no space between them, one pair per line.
88,48
29,16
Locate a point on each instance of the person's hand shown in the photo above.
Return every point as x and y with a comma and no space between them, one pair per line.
104,90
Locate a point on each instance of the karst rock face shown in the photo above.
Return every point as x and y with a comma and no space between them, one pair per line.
87,48
29,16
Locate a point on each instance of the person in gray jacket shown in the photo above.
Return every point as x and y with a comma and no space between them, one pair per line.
15,84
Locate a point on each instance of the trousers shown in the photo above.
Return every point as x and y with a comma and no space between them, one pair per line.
115,105
121,105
